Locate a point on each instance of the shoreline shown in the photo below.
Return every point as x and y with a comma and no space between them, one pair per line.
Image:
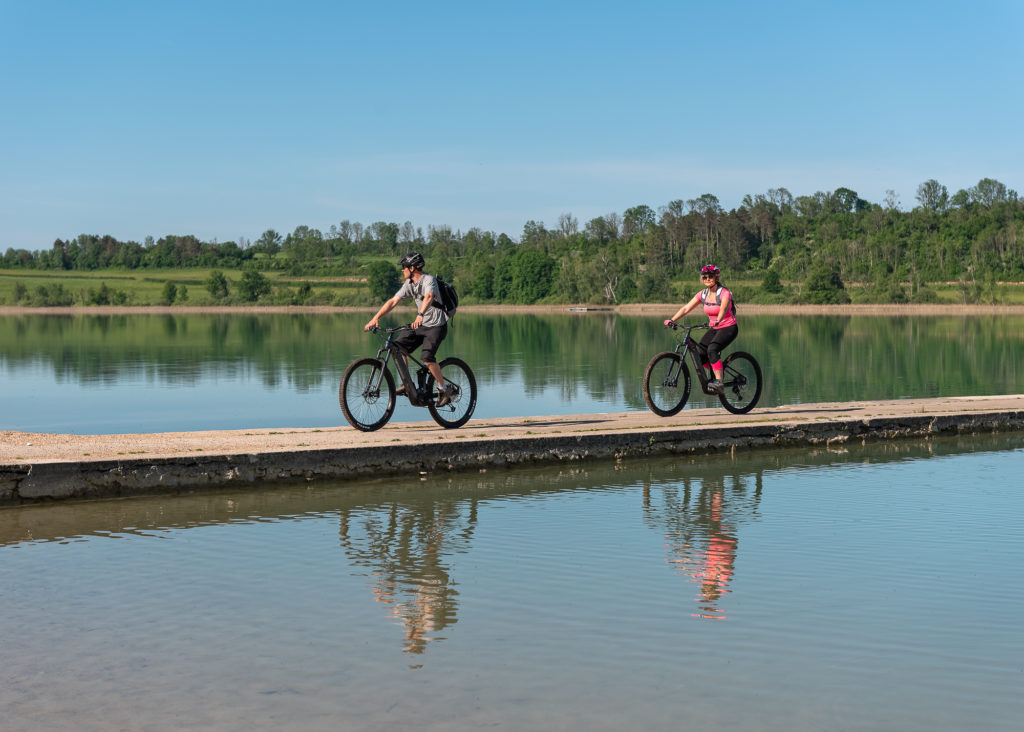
569,309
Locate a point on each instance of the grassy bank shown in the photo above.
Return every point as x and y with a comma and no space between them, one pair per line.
149,288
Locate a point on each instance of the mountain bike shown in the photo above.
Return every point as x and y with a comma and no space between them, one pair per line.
667,379
367,393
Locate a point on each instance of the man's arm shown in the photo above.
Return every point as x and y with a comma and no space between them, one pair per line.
427,299
386,308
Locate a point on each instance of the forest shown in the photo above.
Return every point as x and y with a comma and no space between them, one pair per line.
828,247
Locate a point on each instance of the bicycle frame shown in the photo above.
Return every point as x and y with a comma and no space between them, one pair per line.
418,394
688,347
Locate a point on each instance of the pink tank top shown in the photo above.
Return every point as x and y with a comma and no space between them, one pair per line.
712,309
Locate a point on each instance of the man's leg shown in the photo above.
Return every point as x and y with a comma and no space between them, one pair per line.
435,371
409,340
432,339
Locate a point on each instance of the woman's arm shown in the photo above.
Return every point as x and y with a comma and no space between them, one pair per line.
723,306
687,307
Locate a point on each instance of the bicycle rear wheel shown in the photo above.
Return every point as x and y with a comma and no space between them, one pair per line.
459,379
742,382
666,384
367,400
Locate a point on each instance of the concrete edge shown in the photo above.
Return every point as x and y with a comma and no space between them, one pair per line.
42,482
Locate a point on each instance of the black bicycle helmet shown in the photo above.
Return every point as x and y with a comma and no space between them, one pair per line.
412,259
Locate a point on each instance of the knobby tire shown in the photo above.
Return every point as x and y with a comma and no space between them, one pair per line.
457,376
743,382
365,410
666,398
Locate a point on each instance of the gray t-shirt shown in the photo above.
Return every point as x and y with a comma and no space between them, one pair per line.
418,290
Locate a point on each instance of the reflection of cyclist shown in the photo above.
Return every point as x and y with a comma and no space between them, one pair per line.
701,536
718,561
721,314
431,324
406,549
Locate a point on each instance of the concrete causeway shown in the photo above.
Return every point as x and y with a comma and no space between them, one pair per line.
37,467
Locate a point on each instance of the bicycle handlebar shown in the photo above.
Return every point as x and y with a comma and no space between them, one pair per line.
377,328
676,326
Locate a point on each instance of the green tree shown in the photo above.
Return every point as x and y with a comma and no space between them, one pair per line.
170,293
988,192
533,233
771,282
102,296
532,273
55,295
217,284
383,280
253,285
269,243
636,219
933,195
600,230
960,199
385,235
823,285
845,199
627,291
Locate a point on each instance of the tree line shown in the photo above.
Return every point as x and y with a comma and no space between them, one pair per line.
811,248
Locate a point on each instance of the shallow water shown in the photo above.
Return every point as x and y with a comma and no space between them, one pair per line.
871,588
164,373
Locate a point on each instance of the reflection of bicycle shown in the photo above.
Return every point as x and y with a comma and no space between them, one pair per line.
367,393
667,379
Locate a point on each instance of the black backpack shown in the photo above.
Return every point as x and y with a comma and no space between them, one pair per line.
449,297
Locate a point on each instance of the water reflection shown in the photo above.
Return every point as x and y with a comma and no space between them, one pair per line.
403,537
403,547
552,594
700,519
168,372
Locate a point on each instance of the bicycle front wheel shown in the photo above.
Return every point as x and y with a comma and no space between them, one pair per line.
367,394
666,384
459,380
742,382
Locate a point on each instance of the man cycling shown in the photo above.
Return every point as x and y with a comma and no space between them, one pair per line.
431,324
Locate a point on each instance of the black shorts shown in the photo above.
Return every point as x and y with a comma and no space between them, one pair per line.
429,338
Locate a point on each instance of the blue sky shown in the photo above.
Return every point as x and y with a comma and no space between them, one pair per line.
224,119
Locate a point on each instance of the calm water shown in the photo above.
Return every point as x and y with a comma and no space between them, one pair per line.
155,373
872,589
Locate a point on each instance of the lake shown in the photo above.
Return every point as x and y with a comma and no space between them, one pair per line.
872,587
103,374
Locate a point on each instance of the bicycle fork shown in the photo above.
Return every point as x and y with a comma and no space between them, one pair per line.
372,390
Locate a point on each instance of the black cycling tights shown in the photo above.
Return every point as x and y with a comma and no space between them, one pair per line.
714,342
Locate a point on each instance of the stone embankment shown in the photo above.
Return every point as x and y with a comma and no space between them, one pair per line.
45,467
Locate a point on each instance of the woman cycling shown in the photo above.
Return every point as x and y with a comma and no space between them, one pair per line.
721,314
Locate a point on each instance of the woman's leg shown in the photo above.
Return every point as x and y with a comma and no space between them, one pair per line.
716,344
